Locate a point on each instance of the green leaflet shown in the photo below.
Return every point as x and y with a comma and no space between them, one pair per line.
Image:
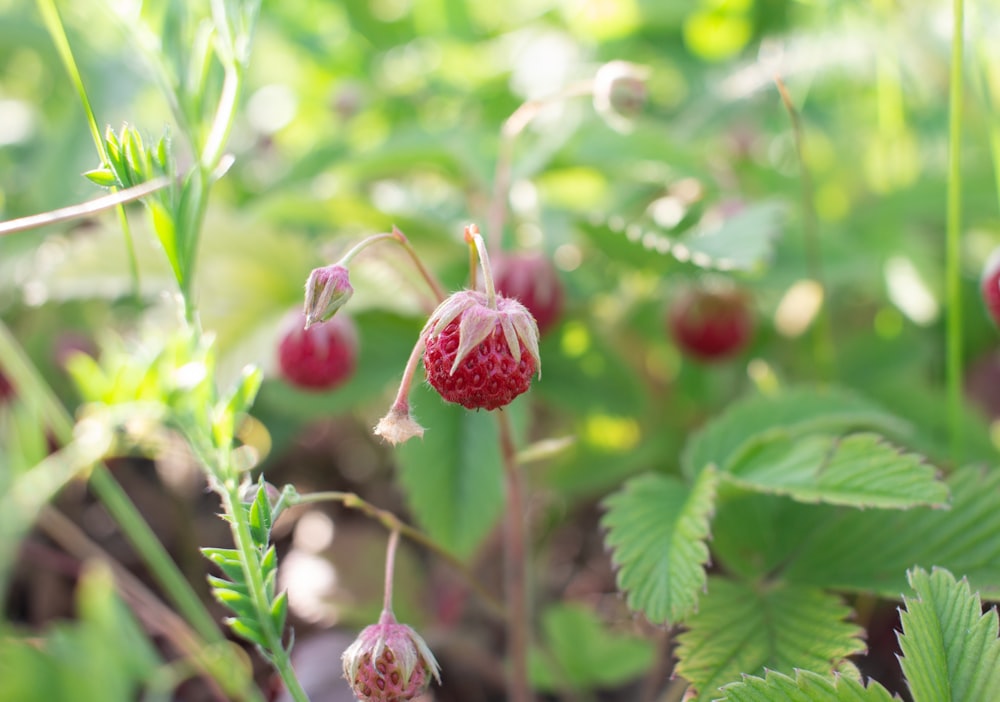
950,648
804,687
657,527
744,628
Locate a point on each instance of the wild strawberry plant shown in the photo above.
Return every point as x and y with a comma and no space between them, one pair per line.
633,523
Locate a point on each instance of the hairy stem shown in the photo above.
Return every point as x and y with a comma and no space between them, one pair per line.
390,567
515,568
401,239
953,271
391,522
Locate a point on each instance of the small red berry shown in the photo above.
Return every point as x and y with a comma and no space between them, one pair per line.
532,279
711,325
389,662
990,285
320,357
479,356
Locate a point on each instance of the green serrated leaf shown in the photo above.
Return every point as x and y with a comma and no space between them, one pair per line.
453,475
279,611
584,654
239,603
860,470
269,561
657,528
950,648
260,516
806,686
871,550
794,412
742,628
249,630
228,562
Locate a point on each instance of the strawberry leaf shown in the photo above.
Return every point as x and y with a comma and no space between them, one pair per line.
804,687
453,476
584,654
793,413
859,470
745,628
657,527
950,648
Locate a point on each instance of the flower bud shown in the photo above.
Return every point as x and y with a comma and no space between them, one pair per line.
389,661
327,290
620,93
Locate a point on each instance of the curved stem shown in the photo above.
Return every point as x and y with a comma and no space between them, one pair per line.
511,129
823,336
515,567
401,239
475,241
953,273
391,522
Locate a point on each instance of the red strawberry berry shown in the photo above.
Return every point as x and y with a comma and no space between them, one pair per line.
320,357
478,356
711,325
531,278
389,662
990,285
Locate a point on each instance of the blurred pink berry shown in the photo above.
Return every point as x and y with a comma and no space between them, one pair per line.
532,279
389,662
320,357
990,286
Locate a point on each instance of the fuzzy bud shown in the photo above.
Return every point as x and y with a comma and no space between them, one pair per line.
620,93
327,290
388,662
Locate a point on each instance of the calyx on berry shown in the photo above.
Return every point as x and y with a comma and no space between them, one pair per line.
388,662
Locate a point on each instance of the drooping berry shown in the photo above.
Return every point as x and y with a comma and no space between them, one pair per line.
389,662
6,389
620,93
531,278
478,356
320,357
711,324
989,284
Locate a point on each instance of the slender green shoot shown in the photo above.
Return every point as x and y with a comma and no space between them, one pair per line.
953,279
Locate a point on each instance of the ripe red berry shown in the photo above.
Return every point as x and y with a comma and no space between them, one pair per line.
320,357
478,356
990,285
532,279
711,325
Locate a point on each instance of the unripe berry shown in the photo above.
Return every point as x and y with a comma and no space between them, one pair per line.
478,356
620,93
320,357
531,279
389,662
709,324
990,285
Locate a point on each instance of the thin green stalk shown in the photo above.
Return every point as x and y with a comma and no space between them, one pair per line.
393,524
258,593
824,349
953,272
54,24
